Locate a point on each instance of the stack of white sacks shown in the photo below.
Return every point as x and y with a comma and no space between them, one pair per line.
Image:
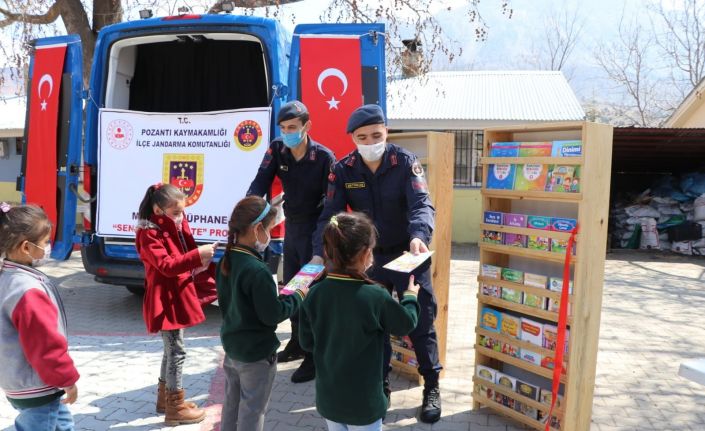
644,221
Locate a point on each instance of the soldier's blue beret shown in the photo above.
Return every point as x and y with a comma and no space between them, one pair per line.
364,116
291,110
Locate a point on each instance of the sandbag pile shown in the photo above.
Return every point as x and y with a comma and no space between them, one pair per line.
668,216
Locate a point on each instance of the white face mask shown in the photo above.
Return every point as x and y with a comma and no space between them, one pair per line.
45,258
262,246
373,152
178,220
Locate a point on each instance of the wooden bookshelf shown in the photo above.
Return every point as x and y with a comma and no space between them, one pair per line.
590,208
436,152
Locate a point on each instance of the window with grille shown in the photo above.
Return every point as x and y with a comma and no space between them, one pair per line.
468,150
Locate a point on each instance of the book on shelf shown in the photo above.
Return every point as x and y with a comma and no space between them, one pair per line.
531,332
560,224
512,295
538,222
504,149
490,290
540,282
493,217
513,275
530,177
537,242
490,343
563,179
489,374
514,220
515,240
511,326
490,319
492,237
529,391
535,149
511,350
491,271
567,148
556,285
508,382
501,176
545,397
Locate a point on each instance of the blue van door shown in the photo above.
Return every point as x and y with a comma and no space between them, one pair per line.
53,135
333,69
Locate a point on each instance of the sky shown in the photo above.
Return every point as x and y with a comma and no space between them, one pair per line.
509,41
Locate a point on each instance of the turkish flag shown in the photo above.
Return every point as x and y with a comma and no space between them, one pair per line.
41,160
331,87
277,189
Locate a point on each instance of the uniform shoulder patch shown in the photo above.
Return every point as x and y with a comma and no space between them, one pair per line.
417,169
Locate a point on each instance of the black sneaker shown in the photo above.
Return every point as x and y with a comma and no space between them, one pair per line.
306,371
289,355
431,407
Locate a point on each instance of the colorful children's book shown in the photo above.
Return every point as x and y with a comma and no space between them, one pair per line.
512,275
529,391
490,319
531,331
563,178
538,281
515,240
559,224
511,350
531,356
550,337
541,243
538,222
504,149
500,176
408,262
306,275
508,382
486,373
567,149
492,237
512,295
491,271
493,291
493,217
515,220
530,177
511,326
490,343
556,285
535,149
545,398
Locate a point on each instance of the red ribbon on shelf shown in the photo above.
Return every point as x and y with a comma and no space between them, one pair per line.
562,323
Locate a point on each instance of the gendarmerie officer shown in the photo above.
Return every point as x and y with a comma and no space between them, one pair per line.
388,183
302,165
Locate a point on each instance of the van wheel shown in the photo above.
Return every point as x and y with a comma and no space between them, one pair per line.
135,289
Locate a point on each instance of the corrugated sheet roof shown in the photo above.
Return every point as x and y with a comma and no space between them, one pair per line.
484,95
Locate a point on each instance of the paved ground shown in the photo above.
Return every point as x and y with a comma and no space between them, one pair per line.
652,320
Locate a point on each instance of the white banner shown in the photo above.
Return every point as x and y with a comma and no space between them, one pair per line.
212,157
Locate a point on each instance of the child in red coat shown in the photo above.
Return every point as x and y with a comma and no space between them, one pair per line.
178,282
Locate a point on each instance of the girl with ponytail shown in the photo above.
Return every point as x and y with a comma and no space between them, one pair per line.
344,322
252,309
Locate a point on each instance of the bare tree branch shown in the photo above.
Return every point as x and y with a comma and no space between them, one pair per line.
47,18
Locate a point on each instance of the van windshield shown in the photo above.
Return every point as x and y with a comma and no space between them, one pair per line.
187,73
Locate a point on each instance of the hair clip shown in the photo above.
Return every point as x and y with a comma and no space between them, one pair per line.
334,220
5,207
158,186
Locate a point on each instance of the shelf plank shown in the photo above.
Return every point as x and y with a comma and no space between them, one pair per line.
518,343
521,308
520,363
406,368
532,195
557,412
571,161
403,350
524,288
533,423
526,252
527,231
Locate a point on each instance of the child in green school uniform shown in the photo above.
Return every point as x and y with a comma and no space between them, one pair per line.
251,309
344,321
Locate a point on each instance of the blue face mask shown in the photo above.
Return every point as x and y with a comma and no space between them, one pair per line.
293,139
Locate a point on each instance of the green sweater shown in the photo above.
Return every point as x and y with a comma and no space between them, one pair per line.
251,306
344,322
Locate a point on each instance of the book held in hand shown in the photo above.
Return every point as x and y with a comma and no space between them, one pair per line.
304,278
408,262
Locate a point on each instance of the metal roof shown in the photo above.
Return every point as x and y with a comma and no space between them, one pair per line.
484,95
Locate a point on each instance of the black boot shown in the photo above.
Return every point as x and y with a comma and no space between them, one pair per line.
431,407
306,371
292,352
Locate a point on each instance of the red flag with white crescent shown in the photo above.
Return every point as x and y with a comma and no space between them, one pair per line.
331,87
40,174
